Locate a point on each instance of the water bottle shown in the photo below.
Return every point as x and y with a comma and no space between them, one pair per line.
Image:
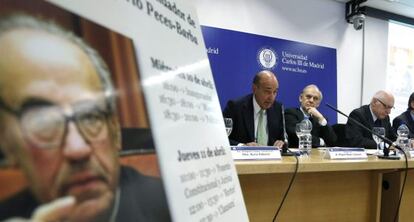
305,140
402,139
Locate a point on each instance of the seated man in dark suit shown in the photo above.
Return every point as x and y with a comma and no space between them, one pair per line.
406,118
257,118
374,114
322,133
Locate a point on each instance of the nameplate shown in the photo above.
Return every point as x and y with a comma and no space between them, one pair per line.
410,154
337,153
255,153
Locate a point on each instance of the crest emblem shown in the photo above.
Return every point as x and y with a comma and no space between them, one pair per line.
267,58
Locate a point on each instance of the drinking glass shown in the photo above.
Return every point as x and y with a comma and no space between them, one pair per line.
228,122
380,131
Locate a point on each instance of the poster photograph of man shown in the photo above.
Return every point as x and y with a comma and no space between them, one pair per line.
68,89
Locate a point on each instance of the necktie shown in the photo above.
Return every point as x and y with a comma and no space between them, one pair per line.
377,123
261,130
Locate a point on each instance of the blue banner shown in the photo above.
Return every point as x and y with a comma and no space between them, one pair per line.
235,57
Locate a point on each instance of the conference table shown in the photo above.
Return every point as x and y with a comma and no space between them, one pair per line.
326,190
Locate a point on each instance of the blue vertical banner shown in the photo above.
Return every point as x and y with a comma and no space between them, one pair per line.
235,57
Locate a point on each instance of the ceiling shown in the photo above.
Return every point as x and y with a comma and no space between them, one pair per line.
400,7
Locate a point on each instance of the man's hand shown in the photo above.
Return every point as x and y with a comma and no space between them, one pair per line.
315,113
55,211
278,144
252,144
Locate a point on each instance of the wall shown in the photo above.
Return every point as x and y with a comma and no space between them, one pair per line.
375,59
319,22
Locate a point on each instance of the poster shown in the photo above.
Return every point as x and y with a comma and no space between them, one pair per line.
72,122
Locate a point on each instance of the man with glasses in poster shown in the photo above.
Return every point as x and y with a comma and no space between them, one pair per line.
58,124
373,115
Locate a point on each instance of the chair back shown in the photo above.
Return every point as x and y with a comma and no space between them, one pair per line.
339,129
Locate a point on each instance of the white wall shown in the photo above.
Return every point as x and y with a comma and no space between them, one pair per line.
375,58
319,22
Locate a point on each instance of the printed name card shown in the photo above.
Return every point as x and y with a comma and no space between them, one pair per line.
255,153
337,153
410,154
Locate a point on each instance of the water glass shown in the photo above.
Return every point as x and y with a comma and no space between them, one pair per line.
380,131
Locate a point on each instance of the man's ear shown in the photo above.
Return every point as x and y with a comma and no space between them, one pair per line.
116,131
7,159
7,147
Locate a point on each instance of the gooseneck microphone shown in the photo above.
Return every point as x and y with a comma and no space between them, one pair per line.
389,142
286,152
385,139
285,146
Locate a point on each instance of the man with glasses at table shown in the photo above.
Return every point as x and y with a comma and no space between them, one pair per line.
373,115
58,124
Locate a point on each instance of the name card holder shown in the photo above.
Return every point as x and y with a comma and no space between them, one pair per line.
410,154
339,153
255,153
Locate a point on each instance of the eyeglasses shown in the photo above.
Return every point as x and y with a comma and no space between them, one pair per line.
45,125
385,105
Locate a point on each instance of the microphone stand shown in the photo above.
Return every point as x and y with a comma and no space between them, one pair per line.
389,142
285,147
385,139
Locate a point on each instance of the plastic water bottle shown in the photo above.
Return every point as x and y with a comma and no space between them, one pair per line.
305,140
402,139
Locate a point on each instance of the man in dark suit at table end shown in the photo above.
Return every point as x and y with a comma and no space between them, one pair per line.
407,117
322,133
373,115
257,117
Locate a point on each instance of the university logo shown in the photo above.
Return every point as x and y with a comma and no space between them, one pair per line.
267,58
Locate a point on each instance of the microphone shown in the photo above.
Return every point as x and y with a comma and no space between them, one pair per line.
285,146
385,139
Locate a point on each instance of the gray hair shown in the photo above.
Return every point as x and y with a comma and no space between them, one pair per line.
19,21
315,87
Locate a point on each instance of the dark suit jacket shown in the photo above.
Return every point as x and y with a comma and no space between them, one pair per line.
404,118
142,198
294,116
241,111
359,137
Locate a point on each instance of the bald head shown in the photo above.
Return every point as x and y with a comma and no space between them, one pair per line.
265,88
15,25
61,63
381,103
264,74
